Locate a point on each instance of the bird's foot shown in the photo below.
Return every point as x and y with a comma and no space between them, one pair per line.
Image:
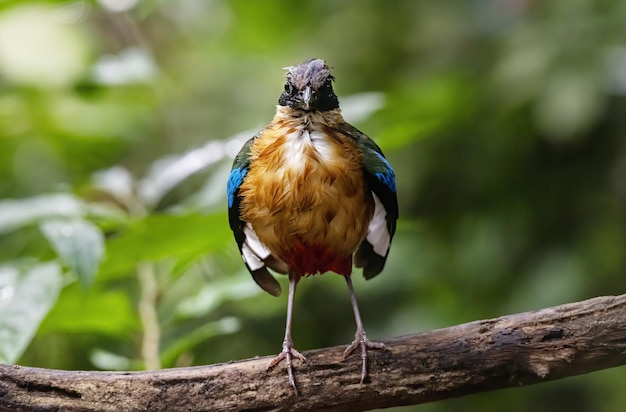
361,341
288,354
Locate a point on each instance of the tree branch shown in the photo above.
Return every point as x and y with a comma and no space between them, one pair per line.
521,349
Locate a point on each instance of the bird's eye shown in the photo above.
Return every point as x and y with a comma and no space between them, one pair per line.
288,87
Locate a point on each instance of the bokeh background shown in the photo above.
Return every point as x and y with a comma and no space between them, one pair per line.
504,121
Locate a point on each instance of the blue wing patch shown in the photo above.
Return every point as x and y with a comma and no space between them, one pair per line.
234,181
388,177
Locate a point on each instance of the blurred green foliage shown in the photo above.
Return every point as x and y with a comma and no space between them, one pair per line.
504,120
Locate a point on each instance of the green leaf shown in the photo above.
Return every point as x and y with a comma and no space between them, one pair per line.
109,361
79,244
211,296
165,236
93,310
200,334
17,213
24,301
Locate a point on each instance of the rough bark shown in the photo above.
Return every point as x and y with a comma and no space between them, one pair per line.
480,356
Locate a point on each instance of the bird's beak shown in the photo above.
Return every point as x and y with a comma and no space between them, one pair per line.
306,97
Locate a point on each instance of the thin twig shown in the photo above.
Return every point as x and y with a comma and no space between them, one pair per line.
149,316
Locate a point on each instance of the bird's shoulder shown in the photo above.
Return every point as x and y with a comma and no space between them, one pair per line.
374,161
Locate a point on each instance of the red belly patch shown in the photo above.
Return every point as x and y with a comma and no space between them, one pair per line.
307,259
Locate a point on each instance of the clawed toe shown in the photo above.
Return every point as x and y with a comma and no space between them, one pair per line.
361,341
288,354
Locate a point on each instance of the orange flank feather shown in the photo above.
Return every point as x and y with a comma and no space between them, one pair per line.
305,194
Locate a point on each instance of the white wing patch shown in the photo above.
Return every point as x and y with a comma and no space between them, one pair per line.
377,232
253,251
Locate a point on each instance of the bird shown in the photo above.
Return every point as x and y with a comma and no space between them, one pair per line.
310,194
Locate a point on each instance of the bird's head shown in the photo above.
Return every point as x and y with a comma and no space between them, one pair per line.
309,87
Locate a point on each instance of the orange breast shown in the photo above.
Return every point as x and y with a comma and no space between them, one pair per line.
305,195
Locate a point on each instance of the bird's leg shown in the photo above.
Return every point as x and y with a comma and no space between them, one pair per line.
289,352
360,339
